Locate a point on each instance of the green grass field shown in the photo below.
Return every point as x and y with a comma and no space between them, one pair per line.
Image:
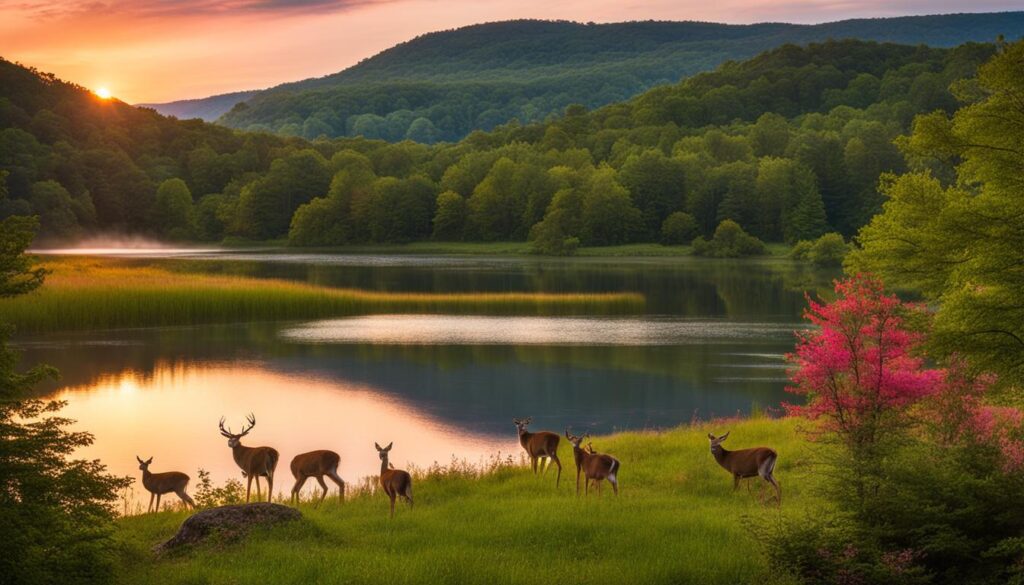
87,293
677,520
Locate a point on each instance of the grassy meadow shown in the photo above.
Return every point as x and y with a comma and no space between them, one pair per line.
676,520
91,293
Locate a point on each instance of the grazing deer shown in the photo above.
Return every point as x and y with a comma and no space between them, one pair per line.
595,466
317,464
254,461
395,482
158,484
744,463
539,445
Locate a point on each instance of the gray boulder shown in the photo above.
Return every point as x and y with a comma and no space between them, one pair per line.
228,522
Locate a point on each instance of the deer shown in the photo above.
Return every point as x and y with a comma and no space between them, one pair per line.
254,461
538,445
317,464
158,484
744,463
595,466
396,482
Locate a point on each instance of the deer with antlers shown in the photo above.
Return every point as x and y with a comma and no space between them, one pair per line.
595,466
539,445
744,463
317,464
254,461
395,482
158,484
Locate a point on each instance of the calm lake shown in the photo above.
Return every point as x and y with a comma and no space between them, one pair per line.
710,343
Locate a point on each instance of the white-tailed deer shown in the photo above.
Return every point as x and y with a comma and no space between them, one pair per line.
744,463
158,484
595,466
539,445
254,461
317,464
395,482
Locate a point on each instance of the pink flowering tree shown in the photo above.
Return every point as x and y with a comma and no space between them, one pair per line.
860,369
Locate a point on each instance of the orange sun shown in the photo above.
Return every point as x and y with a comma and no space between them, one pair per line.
103,93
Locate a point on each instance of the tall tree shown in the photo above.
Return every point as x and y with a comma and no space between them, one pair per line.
55,513
960,244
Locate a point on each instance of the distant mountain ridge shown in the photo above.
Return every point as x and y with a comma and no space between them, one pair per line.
443,85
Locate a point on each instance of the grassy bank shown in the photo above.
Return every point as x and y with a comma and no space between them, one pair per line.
87,293
677,520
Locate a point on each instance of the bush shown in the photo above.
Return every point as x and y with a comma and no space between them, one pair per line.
678,228
729,241
828,251
801,251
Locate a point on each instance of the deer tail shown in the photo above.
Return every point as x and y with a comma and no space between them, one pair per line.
614,471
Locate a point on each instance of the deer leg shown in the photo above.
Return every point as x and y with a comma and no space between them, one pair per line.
320,480
270,486
151,497
248,487
158,502
297,488
735,482
341,484
392,496
778,489
258,496
558,479
184,498
577,481
615,484
533,461
586,486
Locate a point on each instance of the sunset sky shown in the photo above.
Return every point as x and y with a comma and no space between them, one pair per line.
160,50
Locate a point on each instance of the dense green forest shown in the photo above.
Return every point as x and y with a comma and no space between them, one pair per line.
790,145
442,86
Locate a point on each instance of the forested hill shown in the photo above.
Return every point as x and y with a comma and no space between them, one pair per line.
790,144
443,85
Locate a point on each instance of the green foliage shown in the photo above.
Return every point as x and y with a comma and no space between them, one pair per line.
952,229
174,211
729,241
445,85
55,513
678,228
739,143
450,219
208,495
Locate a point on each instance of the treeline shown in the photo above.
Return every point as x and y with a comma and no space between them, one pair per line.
444,85
790,145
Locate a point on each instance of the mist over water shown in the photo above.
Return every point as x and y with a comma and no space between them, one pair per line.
111,245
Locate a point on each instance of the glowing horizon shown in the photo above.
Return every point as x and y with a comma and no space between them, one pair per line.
146,51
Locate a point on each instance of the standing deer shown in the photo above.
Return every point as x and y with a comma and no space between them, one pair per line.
595,466
538,445
317,464
254,461
395,482
158,484
744,463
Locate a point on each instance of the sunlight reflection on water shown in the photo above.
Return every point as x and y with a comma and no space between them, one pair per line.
172,416
480,330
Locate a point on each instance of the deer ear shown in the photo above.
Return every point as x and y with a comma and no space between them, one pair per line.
711,437
725,436
388,448
528,419
375,444
139,459
148,461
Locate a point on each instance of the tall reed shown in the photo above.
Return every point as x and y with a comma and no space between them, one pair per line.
96,294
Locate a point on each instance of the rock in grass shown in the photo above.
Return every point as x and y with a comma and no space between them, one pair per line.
227,522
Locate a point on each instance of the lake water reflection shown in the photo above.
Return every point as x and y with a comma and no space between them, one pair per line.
712,344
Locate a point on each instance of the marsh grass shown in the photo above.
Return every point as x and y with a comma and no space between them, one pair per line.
677,520
86,293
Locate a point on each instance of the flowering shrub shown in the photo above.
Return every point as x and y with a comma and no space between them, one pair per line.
927,482
860,369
